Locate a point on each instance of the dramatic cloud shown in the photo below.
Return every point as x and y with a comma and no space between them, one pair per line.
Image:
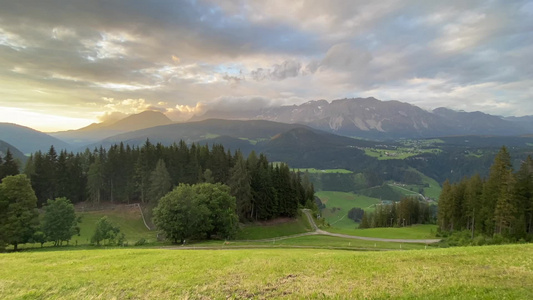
182,57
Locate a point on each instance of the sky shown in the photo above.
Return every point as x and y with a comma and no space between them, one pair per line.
66,64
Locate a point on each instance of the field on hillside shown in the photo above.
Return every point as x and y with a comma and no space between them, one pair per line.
494,272
128,219
313,170
339,203
426,231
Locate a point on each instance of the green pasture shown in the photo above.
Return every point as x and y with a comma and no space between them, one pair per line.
488,272
339,203
425,231
129,220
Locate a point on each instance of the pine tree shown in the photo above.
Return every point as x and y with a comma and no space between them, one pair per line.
160,182
95,181
493,188
445,207
239,184
9,166
505,210
524,193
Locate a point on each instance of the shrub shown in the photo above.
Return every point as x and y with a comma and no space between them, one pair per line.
140,242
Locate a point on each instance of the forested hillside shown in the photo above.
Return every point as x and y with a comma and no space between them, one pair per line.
501,204
124,174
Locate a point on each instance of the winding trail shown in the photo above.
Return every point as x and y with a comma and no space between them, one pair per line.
316,231
322,232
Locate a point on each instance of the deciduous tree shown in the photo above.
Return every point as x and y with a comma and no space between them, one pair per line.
19,219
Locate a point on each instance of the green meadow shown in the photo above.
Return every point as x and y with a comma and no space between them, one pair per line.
422,231
339,203
488,272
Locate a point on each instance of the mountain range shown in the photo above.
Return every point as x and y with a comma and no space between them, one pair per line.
366,118
28,140
374,119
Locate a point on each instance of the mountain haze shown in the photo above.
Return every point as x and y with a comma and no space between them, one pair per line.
29,140
99,131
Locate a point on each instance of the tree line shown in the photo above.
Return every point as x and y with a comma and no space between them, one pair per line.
501,204
124,174
408,211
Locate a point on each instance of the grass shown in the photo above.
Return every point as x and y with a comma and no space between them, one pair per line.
433,191
314,241
339,203
129,221
313,171
489,272
399,153
289,227
426,231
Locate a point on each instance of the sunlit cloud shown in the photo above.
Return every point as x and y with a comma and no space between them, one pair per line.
189,57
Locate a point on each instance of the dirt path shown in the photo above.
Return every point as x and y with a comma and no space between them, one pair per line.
322,232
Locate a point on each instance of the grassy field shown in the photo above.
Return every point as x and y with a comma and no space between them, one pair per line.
315,241
339,203
313,170
129,220
426,231
399,153
490,272
262,231
433,191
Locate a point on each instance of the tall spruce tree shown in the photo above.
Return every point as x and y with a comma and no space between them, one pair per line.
493,189
160,182
240,188
9,167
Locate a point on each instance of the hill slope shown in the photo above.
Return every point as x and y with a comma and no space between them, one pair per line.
29,140
17,154
96,132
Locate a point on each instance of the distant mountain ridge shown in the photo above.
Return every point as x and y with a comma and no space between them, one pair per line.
28,140
99,131
17,154
375,119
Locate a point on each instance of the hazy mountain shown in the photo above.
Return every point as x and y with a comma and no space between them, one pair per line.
375,119
29,140
525,121
478,123
253,131
17,154
99,131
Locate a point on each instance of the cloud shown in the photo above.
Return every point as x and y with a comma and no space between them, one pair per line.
111,117
56,57
288,68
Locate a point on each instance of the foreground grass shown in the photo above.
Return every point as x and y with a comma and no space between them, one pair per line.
426,231
495,272
259,231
